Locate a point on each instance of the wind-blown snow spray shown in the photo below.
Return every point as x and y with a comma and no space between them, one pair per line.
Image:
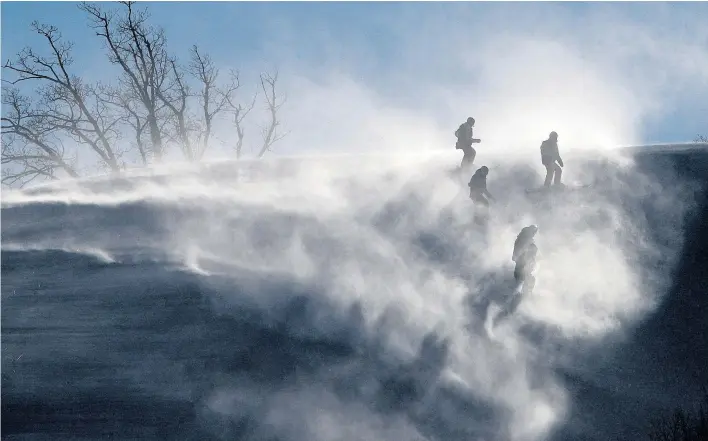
395,241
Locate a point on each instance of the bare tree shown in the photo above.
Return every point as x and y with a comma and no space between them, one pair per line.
214,99
701,138
240,113
152,99
29,149
270,132
141,53
138,125
66,104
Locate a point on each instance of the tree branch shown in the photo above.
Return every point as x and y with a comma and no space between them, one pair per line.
270,133
214,100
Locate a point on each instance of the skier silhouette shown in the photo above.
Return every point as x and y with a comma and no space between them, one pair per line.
465,140
478,187
550,158
524,255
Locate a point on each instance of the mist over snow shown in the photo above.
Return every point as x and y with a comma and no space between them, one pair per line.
391,241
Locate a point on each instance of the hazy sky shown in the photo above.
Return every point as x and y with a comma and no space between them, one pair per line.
384,75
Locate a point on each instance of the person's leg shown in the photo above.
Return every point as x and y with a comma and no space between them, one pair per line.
529,284
514,303
468,158
480,209
518,276
549,175
558,171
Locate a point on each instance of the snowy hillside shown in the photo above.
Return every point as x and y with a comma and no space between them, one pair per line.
345,299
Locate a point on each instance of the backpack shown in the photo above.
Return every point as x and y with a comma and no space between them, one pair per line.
477,183
548,148
458,131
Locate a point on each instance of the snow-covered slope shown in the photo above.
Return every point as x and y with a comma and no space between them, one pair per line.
343,299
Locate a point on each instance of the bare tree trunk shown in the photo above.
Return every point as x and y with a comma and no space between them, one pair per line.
240,114
178,92
155,136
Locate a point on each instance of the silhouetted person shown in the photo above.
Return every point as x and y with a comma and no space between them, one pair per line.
550,158
478,187
465,140
524,255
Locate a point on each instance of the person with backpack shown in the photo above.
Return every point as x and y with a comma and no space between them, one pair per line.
478,187
550,158
465,139
524,255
